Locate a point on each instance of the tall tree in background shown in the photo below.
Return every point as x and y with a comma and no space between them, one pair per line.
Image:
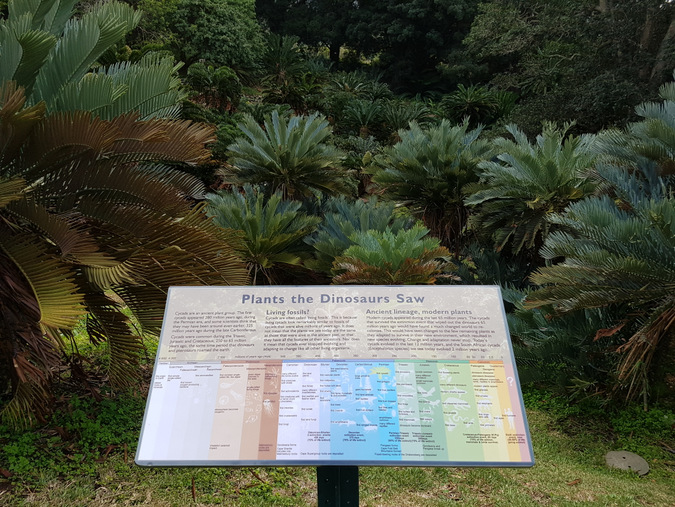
409,37
222,32
587,61
316,22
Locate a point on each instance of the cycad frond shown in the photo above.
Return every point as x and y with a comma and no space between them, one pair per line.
528,184
82,212
82,42
151,87
652,139
343,218
52,281
407,257
290,157
616,256
427,170
23,54
49,15
54,58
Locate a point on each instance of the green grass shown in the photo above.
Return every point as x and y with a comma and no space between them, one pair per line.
85,457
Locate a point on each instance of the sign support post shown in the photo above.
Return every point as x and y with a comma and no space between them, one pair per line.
338,486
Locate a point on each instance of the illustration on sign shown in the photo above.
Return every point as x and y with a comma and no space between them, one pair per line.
318,375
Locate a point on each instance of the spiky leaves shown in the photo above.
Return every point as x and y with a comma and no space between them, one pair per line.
384,258
617,253
52,57
343,218
272,228
652,139
427,170
527,184
290,157
83,215
560,350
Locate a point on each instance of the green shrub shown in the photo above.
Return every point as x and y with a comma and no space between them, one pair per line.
272,228
220,87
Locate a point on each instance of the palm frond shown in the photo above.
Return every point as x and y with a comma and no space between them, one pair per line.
52,281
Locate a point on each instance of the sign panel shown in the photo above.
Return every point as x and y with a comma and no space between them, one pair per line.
335,375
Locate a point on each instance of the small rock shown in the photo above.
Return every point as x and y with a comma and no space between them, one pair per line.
625,460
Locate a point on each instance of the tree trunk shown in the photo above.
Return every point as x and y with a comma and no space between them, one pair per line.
605,7
663,62
335,53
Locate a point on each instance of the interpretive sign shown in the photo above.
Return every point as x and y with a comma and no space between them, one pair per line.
334,375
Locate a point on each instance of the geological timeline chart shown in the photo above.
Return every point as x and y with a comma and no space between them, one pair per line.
362,375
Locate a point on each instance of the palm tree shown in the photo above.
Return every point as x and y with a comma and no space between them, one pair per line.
51,55
91,222
407,257
427,170
527,184
290,157
618,253
273,229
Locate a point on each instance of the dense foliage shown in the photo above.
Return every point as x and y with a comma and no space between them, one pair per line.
523,143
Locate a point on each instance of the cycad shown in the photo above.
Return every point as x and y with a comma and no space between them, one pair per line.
527,184
652,139
51,55
291,157
560,351
477,103
617,253
407,257
87,226
427,170
361,115
272,228
397,114
342,219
